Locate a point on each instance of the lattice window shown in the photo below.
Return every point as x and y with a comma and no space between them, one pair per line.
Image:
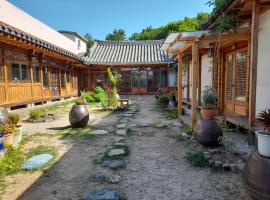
240,76
16,55
229,77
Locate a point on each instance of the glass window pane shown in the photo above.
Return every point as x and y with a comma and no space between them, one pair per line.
163,80
36,76
45,78
15,72
24,72
134,79
143,78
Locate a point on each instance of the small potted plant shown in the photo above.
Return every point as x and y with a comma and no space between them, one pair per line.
264,135
14,119
8,130
209,103
79,115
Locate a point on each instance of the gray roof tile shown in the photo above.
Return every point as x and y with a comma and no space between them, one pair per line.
127,53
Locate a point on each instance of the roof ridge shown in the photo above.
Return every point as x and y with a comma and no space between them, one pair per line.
130,41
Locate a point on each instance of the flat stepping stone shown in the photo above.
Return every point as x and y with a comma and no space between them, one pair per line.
36,162
120,144
123,120
99,132
120,126
113,164
103,194
116,152
119,139
127,115
160,126
121,132
177,124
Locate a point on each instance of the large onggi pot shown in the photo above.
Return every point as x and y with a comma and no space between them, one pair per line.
207,132
256,177
3,114
78,116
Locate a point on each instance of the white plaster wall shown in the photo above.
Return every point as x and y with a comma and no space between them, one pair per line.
206,72
82,48
172,81
263,68
17,18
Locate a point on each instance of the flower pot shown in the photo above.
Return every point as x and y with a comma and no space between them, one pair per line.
8,139
209,113
3,115
256,177
78,116
207,132
1,141
263,143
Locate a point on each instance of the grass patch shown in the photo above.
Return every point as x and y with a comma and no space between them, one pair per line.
118,157
196,159
172,114
187,129
76,133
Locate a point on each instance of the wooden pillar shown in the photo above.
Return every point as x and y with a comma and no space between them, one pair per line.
195,75
200,82
253,67
31,74
179,87
188,80
6,78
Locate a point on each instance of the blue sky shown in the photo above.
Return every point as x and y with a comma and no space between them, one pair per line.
100,17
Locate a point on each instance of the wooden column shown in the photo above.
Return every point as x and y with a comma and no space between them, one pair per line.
188,80
253,67
200,82
5,73
195,75
179,87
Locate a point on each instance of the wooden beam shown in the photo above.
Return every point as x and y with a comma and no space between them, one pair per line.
195,75
253,67
180,74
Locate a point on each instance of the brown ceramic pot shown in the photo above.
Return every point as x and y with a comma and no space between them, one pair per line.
8,139
209,113
207,132
256,177
78,116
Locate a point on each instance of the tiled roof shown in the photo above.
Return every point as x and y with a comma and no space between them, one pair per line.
127,53
36,41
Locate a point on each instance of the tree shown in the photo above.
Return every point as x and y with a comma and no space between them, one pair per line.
90,41
186,24
116,35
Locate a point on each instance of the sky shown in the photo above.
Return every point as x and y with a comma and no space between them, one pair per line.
100,17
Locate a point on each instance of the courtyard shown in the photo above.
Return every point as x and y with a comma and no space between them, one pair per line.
155,166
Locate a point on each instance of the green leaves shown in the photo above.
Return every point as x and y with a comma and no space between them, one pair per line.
116,35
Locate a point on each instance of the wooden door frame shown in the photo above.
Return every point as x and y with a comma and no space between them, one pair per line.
234,52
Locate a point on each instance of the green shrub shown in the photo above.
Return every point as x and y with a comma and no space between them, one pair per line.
89,96
187,129
101,96
113,100
164,99
37,113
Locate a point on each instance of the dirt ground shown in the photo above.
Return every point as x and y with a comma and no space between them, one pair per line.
155,168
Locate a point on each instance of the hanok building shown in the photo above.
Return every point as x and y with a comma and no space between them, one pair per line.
143,66
37,63
235,64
